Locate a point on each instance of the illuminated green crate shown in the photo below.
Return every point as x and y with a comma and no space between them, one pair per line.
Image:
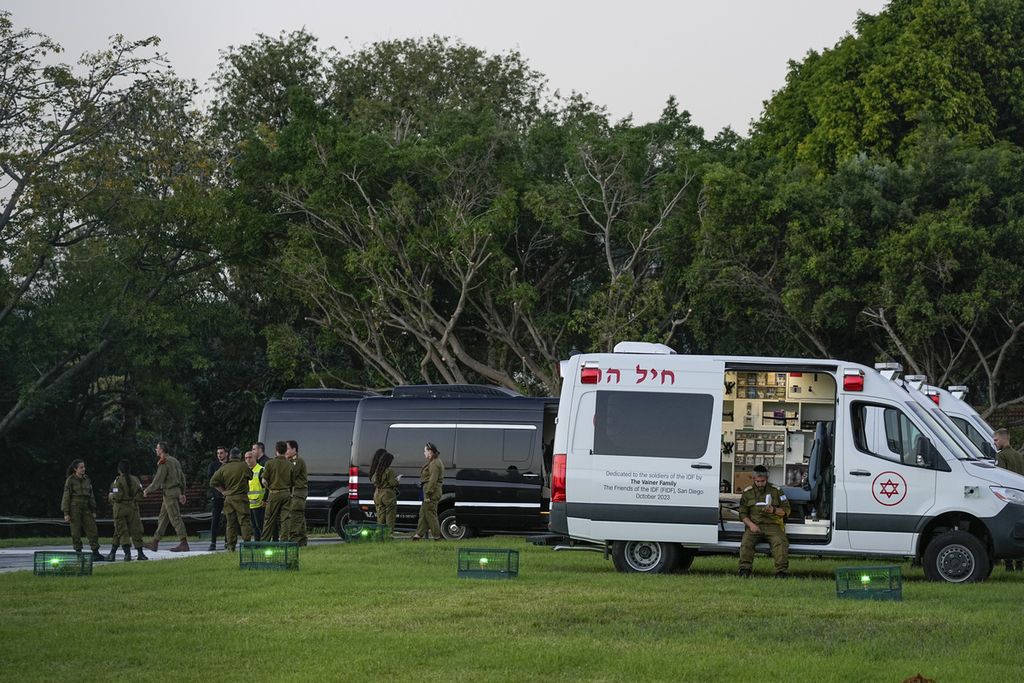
61,563
366,532
268,555
869,583
488,563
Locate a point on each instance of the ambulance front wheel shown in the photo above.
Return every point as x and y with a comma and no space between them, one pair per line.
956,557
651,557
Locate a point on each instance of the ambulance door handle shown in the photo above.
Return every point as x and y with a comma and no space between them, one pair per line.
701,466
860,473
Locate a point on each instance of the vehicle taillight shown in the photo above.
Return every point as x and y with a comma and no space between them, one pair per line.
934,397
853,380
558,478
353,484
590,375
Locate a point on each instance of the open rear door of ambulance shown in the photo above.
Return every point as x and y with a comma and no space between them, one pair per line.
655,458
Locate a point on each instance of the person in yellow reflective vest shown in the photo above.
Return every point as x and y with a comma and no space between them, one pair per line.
257,494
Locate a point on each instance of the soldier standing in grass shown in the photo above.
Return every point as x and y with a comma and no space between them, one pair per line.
296,522
278,474
257,494
79,507
385,491
232,482
763,509
432,481
169,478
1008,459
125,493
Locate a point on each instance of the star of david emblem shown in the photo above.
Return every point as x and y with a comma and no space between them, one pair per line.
889,488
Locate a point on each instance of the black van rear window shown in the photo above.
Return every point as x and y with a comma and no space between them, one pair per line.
658,425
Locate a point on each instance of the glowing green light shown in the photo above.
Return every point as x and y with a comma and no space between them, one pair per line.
55,561
364,532
268,552
865,579
483,561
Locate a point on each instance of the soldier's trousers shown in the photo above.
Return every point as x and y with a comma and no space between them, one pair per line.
776,537
170,513
236,511
127,525
296,522
273,522
83,522
256,515
387,510
428,518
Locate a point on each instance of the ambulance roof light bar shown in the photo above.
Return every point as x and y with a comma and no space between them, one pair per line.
958,391
917,381
889,370
643,347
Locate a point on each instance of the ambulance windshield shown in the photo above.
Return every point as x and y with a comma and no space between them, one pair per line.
944,430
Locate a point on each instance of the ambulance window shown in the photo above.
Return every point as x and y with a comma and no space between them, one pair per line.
659,425
886,432
983,444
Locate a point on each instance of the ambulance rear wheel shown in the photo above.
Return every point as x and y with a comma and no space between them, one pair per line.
649,557
956,557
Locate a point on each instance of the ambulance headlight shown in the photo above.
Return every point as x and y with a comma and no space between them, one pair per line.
1008,495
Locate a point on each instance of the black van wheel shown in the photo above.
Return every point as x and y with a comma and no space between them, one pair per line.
956,557
649,557
341,518
451,530
684,560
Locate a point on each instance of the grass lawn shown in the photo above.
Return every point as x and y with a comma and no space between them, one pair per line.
397,612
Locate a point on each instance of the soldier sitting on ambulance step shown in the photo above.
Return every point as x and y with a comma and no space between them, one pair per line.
763,511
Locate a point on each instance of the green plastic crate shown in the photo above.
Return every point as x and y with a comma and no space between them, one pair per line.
61,563
488,563
367,532
869,583
268,555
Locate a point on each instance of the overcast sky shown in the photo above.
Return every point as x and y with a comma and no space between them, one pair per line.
720,59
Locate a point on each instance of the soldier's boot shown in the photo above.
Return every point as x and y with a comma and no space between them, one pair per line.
152,545
782,574
112,555
140,555
744,573
97,556
127,552
181,547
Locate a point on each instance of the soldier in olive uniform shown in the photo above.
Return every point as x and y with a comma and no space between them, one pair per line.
1008,459
171,479
296,522
763,510
432,480
278,475
125,494
385,492
232,481
79,507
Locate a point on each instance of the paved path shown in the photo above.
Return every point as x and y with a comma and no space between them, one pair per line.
17,559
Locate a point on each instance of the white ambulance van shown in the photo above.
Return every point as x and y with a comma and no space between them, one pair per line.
652,449
965,417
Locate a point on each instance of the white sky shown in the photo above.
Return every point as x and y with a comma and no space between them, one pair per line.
720,59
